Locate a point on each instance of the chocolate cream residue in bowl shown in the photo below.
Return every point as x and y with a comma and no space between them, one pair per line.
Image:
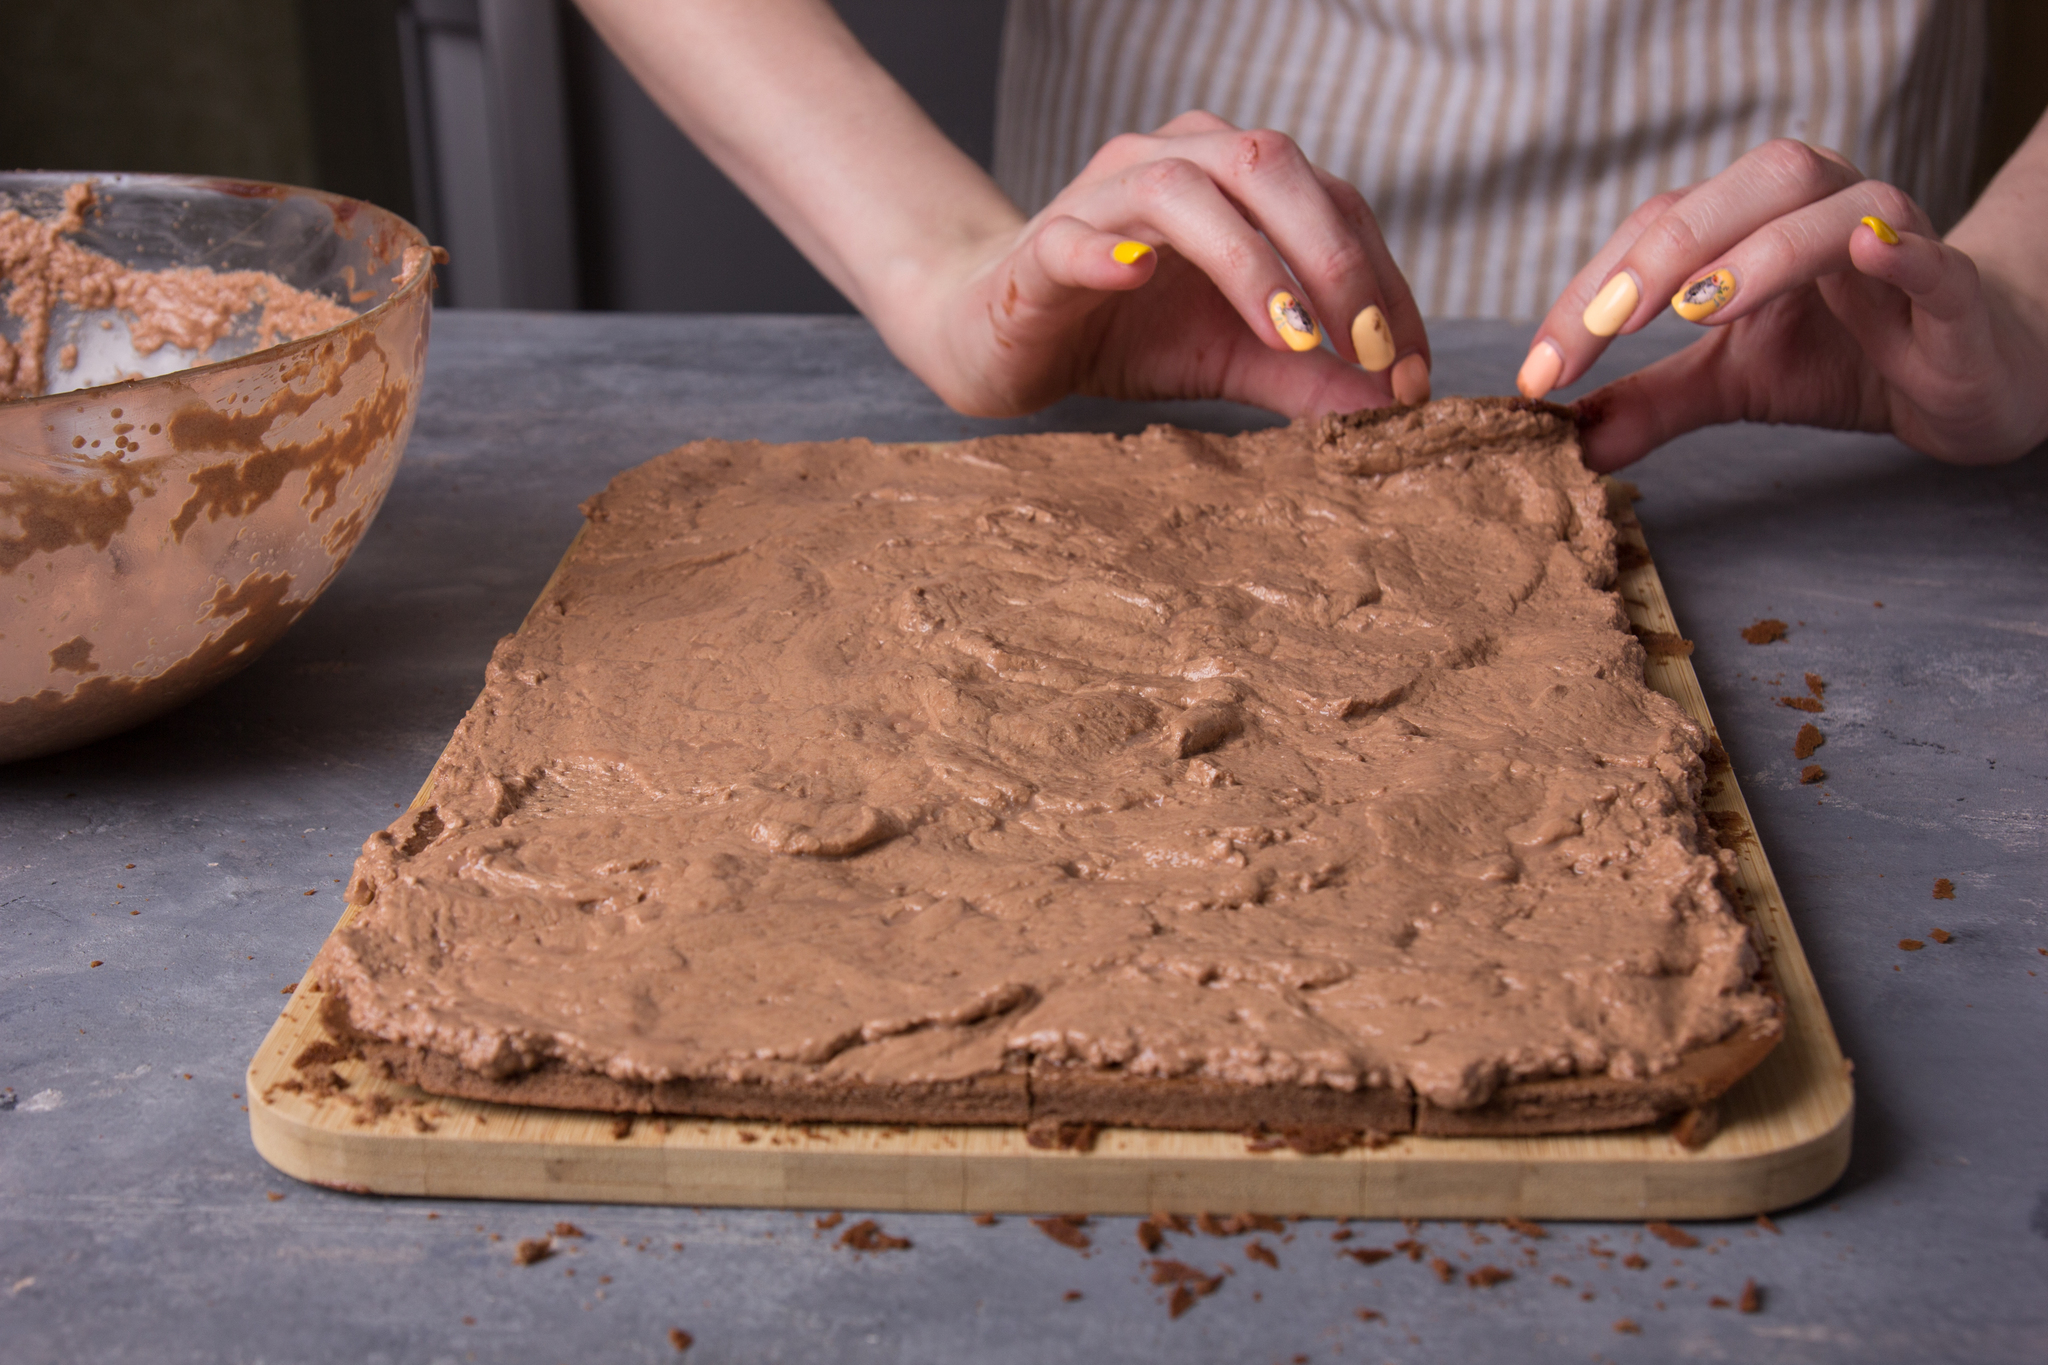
205,386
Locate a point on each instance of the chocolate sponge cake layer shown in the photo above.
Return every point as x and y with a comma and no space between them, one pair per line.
1304,778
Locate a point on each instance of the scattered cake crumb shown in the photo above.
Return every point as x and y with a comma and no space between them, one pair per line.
1488,1276
1629,1326
1634,1261
1765,631
1941,935
1260,1252
1816,684
1763,1220
1813,773
981,1220
569,1230
1367,1255
1445,1271
867,1235
1811,705
1370,1315
533,1250
1808,739
834,1219
1752,1300
1064,1231
1149,1235
1524,1226
1070,1295
1944,889
680,1339
1672,1236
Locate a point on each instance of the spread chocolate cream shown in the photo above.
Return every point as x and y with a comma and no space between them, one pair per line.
1175,779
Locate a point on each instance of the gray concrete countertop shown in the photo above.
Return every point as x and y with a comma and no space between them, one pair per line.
137,1222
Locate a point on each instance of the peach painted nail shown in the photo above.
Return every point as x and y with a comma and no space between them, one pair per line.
1411,380
1613,305
1130,253
1883,230
1372,339
1539,372
1296,327
1705,296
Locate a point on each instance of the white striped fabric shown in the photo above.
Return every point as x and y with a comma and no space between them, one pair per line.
1501,141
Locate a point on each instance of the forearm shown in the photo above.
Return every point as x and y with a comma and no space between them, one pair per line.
787,103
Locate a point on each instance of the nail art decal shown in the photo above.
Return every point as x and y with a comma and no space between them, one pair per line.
1130,253
1883,230
1296,327
1372,339
1705,296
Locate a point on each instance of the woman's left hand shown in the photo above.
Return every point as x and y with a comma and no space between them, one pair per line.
1827,300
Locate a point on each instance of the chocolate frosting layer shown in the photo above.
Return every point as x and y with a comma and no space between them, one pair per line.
1316,756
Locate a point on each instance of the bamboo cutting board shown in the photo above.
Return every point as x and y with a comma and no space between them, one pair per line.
1784,1135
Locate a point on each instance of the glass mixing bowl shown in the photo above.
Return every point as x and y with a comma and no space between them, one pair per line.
161,525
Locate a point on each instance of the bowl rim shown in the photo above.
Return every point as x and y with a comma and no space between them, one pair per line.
240,188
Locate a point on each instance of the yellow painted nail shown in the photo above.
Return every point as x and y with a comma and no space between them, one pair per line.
1130,253
1704,296
1372,339
1883,229
1296,327
1539,372
1612,306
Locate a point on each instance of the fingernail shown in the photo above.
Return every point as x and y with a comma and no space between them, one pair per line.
1883,230
1540,370
1704,296
1130,253
1612,306
1297,328
1372,339
1411,380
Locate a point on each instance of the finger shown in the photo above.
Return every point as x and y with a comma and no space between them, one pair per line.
1626,420
1562,343
1324,230
1078,259
1176,202
1388,331
1791,251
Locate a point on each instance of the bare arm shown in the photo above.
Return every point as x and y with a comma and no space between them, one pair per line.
1165,270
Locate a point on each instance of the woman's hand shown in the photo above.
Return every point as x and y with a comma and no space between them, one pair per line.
1827,300
1197,261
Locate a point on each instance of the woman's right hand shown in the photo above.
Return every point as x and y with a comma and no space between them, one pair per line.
1198,261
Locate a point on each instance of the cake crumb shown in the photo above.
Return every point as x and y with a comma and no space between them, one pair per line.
1629,1326
1149,1235
680,1339
1763,632
272,1195
1445,1271
1910,945
533,1250
867,1235
984,1220
1063,1231
1370,1315
569,1230
1070,1296
1752,1300
1941,935
1944,889
1488,1276
1816,684
1524,1226
1367,1255
1635,1262
1808,739
1260,1252
1672,1236
1813,773
1811,705
1764,1221
834,1219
